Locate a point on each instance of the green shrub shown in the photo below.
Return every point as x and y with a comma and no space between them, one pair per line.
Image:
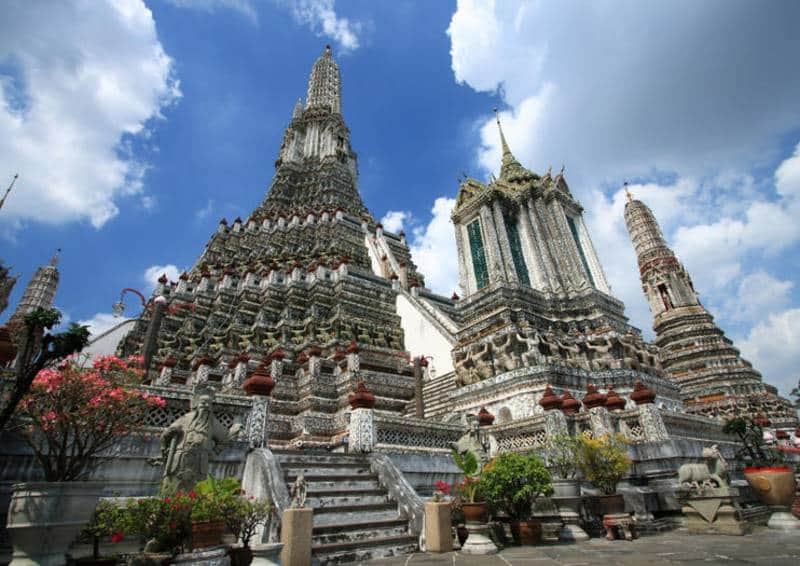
513,482
604,461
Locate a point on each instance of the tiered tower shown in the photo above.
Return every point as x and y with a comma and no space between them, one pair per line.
714,379
7,282
294,282
40,292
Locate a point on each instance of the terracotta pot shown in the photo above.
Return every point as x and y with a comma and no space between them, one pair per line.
207,533
45,517
774,486
613,504
240,556
526,532
476,512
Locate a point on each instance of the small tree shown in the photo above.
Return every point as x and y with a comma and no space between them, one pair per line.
39,350
754,451
604,461
71,415
471,468
561,451
513,482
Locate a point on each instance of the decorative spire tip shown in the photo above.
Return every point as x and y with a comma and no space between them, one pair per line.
627,192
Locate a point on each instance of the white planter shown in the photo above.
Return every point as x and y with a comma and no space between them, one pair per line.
266,554
45,517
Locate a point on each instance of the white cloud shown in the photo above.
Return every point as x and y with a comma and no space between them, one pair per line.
772,347
393,220
759,295
244,7
433,249
152,273
101,322
79,80
320,16
624,89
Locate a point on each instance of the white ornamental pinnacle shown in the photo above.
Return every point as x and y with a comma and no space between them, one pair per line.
324,86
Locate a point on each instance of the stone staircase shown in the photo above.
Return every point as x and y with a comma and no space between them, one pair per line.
435,393
354,517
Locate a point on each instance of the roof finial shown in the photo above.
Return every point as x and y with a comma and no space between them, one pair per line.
8,190
506,150
627,192
328,51
54,259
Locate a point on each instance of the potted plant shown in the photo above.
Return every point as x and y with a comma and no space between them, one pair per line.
474,511
512,482
163,524
243,515
70,417
107,522
561,451
208,518
770,478
604,461
561,454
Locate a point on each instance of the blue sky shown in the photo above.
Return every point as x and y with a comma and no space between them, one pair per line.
135,127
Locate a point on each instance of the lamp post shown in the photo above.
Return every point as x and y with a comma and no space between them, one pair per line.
158,305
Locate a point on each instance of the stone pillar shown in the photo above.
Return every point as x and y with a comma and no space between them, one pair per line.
600,421
652,423
419,402
438,529
296,527
555,423
151,339
165,377
202,368
257,422
240,371
361,428
353,359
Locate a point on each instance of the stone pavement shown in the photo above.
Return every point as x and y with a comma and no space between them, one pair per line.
761,546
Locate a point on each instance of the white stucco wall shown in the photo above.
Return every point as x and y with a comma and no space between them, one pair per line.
423,338
106,343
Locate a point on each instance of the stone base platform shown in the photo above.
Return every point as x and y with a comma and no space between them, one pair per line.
762,547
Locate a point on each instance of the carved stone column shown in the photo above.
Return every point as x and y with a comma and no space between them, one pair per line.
600,421
202,369
258,387
555,422
361,428
165,377
652,423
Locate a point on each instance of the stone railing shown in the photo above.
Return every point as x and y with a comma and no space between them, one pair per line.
682,425
629,424
524,435
405,433
227,408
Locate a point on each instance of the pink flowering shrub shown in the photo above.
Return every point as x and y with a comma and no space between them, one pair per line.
73,414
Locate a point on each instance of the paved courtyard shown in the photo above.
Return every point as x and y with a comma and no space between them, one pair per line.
762,546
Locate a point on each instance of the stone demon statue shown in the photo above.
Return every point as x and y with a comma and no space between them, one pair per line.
188,443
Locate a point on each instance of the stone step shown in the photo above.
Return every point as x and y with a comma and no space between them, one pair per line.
318,476
359,551
358,532
356,515
369,483
320,500
328,470
309,457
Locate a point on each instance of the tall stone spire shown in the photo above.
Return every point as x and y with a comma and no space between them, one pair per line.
324,86
41,290
8,191
511,169
7,282
714,379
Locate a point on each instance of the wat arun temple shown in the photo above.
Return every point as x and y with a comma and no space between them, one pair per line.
371,368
